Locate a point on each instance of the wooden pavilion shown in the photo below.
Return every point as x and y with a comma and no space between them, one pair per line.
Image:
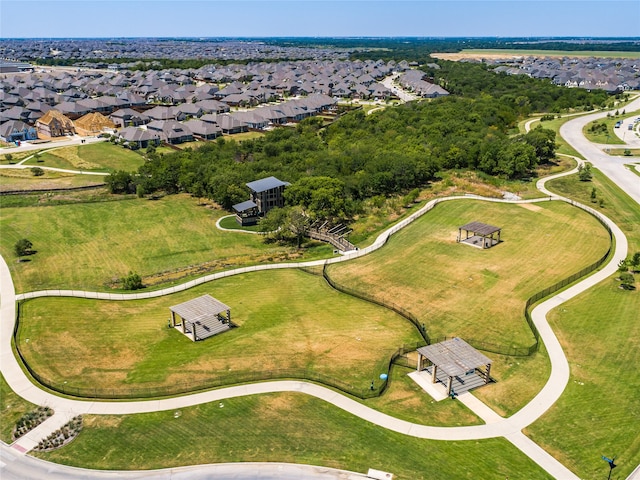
201,317
459,361
479,235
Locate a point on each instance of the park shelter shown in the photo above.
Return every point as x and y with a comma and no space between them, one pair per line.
267,193
201,317
246,213
479,235
456,361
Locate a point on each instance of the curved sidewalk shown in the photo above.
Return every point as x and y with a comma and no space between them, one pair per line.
509,427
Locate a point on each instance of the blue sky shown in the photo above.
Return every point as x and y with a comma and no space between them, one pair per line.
213,18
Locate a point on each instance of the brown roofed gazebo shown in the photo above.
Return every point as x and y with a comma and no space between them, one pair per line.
478,234
201,317
456,359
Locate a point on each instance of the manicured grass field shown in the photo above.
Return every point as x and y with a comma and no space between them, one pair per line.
599,413
480,294
406,400
456,289
89,246
12,407
617,205
23,179
284,428
240,137
608,138
101,157
633,152
307,325
230,223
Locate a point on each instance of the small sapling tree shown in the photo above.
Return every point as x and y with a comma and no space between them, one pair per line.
23,247
584,173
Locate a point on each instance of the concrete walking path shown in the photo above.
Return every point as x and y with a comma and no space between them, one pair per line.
509,428
52,169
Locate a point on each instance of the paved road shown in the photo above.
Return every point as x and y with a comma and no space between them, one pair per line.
74,140
14,466
612,166
400,92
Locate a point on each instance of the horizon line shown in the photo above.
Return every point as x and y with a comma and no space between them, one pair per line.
345,37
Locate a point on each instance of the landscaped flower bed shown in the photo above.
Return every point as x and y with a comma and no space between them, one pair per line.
62,436
30,420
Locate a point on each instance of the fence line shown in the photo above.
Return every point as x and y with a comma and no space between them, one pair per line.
374,389
363,390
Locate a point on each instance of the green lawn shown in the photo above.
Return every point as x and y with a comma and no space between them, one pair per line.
127,345
284,427
456,289
241,137
617,205
633,152
12,407
99,157
599,413
230,223
90,246
608,138
23,179
15,156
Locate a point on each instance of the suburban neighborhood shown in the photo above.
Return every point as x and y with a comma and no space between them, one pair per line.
176,106
322,258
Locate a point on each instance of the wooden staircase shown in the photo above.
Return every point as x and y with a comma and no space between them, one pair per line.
335,235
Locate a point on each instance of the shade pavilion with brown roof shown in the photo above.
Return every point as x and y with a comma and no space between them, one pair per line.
456,359
201,317
478,234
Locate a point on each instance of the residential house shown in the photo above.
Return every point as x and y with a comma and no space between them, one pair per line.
54,124
135,138
127,117
15,130
171,131
203,130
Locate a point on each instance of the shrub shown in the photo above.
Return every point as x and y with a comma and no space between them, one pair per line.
37,171
627,281
132,281
22,247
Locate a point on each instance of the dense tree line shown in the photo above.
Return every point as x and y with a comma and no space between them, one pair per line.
520,92
357,157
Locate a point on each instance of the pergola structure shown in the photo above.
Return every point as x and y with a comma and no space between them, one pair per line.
456,359
478,234
201,317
